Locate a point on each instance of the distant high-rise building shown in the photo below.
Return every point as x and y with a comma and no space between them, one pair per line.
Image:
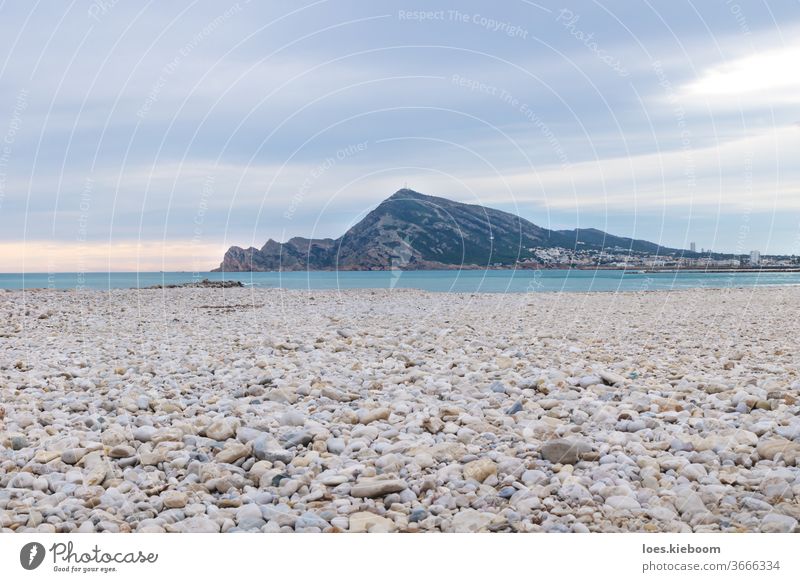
755,257
693,247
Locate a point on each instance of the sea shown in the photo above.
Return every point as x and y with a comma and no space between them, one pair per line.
468,281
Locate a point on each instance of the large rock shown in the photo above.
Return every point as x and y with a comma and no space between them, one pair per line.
564,451
232,453
73,456
223,429
771,448
250,517
364,521
174,499
778,523
266,448
369,416
623,503
376,488
691,507
479,470
470,521
611,378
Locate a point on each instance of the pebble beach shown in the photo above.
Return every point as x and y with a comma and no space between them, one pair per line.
265,410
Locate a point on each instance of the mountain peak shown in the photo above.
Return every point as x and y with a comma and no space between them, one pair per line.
411,230
405,193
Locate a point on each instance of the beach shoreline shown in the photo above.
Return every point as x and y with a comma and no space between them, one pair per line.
278,410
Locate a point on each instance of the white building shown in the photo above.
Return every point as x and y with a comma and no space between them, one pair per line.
755,257
693,247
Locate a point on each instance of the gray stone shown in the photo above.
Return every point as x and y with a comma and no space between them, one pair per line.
335,446
266,448
778,523
18,442
309,519
566,452
470,520
377,488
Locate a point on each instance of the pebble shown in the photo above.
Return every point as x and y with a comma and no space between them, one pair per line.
221,430
18,442
144,433
479,470
73,456
778,523
567,452
335,446
377,488
470,521
232,452
121,452
367,522
174,499
267,448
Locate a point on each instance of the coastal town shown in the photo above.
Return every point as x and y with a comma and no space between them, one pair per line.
625,258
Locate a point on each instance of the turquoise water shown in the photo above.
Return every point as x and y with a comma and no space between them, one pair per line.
442,281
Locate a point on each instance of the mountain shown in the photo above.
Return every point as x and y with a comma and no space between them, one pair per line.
412,231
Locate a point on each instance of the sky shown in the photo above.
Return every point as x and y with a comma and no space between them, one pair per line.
153,136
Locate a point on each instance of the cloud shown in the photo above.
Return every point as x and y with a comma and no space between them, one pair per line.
763,79
757,172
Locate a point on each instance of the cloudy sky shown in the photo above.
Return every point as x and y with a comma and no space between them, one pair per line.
153,135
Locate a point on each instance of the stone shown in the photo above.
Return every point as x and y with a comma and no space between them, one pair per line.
335,446
771,448
232,453
589,380
507,492
332,479
533,477
266,448
515,408
470,521
566,452
121,452
611,378
223,429
164,435
174,499
778,523
691,507
366,522
18,442
42,456
23,480
623,503
309,519
97,475
479,470
418,514
144,433
292,418
376,488
198,524
373,415
249,517
298,438
73,456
